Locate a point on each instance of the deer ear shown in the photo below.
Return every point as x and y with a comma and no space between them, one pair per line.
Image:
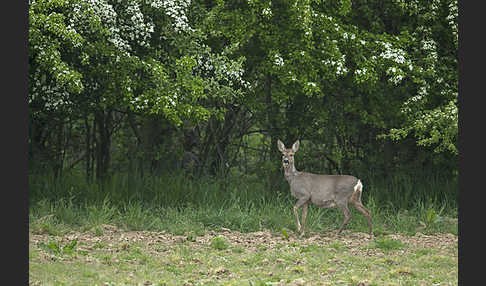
295,147
280,145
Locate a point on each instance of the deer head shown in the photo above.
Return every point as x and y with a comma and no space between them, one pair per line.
288,154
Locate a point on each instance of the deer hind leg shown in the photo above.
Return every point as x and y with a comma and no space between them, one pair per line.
359,206
356,201
347,216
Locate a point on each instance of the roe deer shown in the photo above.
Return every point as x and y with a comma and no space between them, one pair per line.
325,191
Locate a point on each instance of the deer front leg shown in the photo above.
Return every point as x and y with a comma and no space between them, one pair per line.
304,215
296,213
347,216
299,203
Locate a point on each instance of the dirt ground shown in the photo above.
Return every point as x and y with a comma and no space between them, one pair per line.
355,242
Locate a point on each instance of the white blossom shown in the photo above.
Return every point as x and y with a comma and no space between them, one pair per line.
278,60
339,64
395,54
340,68
125,29
267,11
221,69
176,9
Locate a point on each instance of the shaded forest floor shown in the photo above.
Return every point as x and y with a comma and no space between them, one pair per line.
108,255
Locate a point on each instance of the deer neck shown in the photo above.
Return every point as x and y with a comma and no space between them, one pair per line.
290,172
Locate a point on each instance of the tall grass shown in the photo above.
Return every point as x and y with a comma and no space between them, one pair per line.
177,204
402,192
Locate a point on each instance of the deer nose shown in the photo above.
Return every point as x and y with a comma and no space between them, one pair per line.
286,161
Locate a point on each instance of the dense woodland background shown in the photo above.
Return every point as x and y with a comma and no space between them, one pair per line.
130,90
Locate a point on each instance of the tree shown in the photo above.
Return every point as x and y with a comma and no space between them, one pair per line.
99,58
132,79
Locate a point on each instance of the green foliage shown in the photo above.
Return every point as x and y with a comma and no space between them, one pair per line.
219,243
387,244
285,234
430,216
54,247
309,248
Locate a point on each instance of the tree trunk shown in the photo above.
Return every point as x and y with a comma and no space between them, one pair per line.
89,173
58,158
274,175
104,121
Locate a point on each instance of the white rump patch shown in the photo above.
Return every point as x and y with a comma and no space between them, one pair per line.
358,186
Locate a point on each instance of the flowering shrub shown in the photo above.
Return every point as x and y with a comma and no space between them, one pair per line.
190,60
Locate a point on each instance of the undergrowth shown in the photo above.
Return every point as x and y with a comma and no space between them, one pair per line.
180,205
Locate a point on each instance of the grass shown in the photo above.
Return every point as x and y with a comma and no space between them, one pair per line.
242,259
204,216
178,205
387,244
219,243
59,217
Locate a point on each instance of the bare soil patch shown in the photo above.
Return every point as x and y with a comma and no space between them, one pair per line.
356,242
